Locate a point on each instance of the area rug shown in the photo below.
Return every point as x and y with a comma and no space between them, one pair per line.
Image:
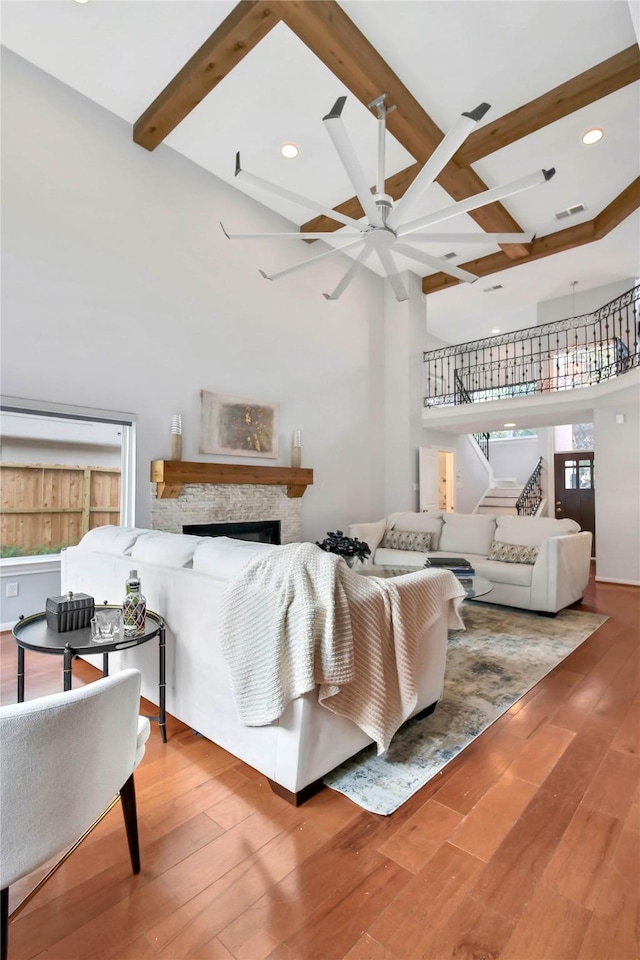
500,655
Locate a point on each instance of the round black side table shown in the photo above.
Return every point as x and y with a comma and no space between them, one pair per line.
32,633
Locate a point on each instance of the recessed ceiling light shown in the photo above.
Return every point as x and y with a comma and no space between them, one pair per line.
496,330
289,150
593,135
509,424
82,1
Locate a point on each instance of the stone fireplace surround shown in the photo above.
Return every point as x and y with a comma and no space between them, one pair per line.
228,502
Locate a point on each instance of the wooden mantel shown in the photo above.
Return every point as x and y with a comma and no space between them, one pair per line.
171,475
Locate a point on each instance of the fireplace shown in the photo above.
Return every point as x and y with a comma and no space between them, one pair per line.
262,531
241,504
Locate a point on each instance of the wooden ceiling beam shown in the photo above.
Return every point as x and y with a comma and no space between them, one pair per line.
246,25
328,32
618,210
588,87
606,77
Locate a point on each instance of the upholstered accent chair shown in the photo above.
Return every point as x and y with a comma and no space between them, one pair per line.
63,760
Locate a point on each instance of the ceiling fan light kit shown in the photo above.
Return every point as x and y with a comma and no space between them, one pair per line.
386,226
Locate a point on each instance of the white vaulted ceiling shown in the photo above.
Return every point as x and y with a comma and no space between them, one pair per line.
450,55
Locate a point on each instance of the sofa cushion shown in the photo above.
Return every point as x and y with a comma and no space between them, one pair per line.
465,533
418,523
516,574
223,557
111,539
166,549
531,531
371,533
406,540
512,553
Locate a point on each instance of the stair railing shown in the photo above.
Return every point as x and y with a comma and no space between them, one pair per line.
482,439
531,496
462,396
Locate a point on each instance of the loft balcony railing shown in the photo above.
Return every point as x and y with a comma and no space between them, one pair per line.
577,352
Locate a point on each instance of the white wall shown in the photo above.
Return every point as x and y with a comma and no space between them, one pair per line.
514,458
121,292
404,432
472,475
586,301
617,486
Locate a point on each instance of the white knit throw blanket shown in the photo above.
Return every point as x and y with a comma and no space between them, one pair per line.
297,617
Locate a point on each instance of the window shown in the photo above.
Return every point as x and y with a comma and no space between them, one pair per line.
64,471
574,436
513,434
582,436
578,474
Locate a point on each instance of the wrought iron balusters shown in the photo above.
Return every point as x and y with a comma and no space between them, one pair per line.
577,352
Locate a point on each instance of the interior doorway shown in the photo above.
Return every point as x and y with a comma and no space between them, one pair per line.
575,489
446,485
437,479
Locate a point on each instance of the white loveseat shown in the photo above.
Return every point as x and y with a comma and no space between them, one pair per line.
557,578
183,578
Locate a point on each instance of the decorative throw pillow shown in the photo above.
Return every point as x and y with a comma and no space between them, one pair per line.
406,540
512,553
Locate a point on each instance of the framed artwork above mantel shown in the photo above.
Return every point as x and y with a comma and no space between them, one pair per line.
237,426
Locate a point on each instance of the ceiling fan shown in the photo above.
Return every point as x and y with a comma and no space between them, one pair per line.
387,229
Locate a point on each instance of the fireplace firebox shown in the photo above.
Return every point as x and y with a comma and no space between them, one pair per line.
262,531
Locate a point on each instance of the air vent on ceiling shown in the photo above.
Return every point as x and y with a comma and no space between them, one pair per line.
449,256
571,211
497,286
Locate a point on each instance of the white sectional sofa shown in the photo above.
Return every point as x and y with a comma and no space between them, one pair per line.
557,578
183,578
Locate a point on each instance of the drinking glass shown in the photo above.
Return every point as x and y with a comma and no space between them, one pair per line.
106,626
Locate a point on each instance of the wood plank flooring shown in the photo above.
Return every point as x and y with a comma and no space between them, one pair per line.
526,847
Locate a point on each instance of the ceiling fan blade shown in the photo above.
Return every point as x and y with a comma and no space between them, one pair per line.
479,200
349,275
291,236
472,237
436,162
350,162
293,197
307,263
434,262
391,271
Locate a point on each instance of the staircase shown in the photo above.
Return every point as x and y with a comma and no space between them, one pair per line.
500,499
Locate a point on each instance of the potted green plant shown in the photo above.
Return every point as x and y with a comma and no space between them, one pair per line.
351,548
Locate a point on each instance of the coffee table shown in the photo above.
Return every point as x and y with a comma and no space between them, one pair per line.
478,587
32,633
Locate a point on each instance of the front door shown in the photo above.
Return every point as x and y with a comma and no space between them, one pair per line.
575,496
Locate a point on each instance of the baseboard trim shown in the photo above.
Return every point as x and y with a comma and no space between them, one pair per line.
7,626
624,583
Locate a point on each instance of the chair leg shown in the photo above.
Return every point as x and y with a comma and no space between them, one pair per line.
4,907
128,798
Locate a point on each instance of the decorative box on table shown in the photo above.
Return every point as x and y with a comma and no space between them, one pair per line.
72,611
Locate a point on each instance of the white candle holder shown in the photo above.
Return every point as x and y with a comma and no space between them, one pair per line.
296,449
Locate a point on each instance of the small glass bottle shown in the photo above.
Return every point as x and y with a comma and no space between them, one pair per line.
134,607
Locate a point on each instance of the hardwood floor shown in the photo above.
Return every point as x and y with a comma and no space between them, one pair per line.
527,846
